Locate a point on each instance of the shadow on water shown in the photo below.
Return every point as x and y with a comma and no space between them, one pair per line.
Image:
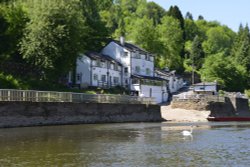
134,144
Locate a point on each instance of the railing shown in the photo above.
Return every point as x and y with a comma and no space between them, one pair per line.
49,96
199,97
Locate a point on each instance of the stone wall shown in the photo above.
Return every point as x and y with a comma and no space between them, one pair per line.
16,114
191,105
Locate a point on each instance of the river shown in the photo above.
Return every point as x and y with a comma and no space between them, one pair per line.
127,145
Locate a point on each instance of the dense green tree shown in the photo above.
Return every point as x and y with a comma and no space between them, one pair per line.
175,12
219,39
145,36
221,68
241,50
97,32
197,54
155,12
54,36
191,29
13,21
189,16
172,41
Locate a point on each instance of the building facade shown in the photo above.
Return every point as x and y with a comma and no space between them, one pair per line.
96,69
138,70
127,65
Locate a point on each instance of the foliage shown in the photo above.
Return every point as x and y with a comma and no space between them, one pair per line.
171,38
48,35
219,39
247,92
220,68
9,82
53,37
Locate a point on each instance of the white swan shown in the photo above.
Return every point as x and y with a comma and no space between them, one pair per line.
188,133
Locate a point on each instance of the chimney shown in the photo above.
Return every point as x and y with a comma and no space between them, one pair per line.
122,40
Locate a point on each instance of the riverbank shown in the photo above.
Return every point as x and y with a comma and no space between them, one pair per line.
182,115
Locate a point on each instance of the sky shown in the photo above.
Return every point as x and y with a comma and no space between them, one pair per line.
227,12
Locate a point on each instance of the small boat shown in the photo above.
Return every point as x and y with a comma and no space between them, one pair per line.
226,119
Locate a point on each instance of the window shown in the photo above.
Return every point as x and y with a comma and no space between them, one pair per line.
116,80
125,54
78,77
126,69
103,64
103,78
137,56
98,63
148,71
137,69
116,67
112,66
95,77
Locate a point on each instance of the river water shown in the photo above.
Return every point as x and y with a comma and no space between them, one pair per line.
127,145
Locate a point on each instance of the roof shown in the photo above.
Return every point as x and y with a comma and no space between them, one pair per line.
132,47
163,72
206,84
147,77
100,56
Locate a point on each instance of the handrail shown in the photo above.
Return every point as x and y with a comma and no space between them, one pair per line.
52,96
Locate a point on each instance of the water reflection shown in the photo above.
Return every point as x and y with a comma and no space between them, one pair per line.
139,144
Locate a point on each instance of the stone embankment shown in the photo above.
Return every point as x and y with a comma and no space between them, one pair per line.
17,114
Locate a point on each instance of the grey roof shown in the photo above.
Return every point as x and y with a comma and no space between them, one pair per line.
132,47
148,77
100,56
162,72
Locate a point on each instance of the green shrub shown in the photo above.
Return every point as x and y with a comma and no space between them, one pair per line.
247,92
9,82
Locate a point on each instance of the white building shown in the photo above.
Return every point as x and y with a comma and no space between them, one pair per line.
175,82
206,88
95,69
138,70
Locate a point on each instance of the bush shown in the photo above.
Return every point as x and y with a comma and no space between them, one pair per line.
9,82
247,92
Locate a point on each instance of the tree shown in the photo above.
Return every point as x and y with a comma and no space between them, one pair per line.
191,30
197,53
97,32
219,39
200,17
223,69
13,20
145,36
175,12
155,12
189,16
241,50
171,38
54,36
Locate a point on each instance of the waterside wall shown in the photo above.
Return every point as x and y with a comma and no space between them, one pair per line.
233,107
17,114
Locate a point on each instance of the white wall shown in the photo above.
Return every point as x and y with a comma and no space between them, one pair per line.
208,88
157,92
143,64
83,69
117,52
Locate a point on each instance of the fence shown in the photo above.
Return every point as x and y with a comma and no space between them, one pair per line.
49,96
199,97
